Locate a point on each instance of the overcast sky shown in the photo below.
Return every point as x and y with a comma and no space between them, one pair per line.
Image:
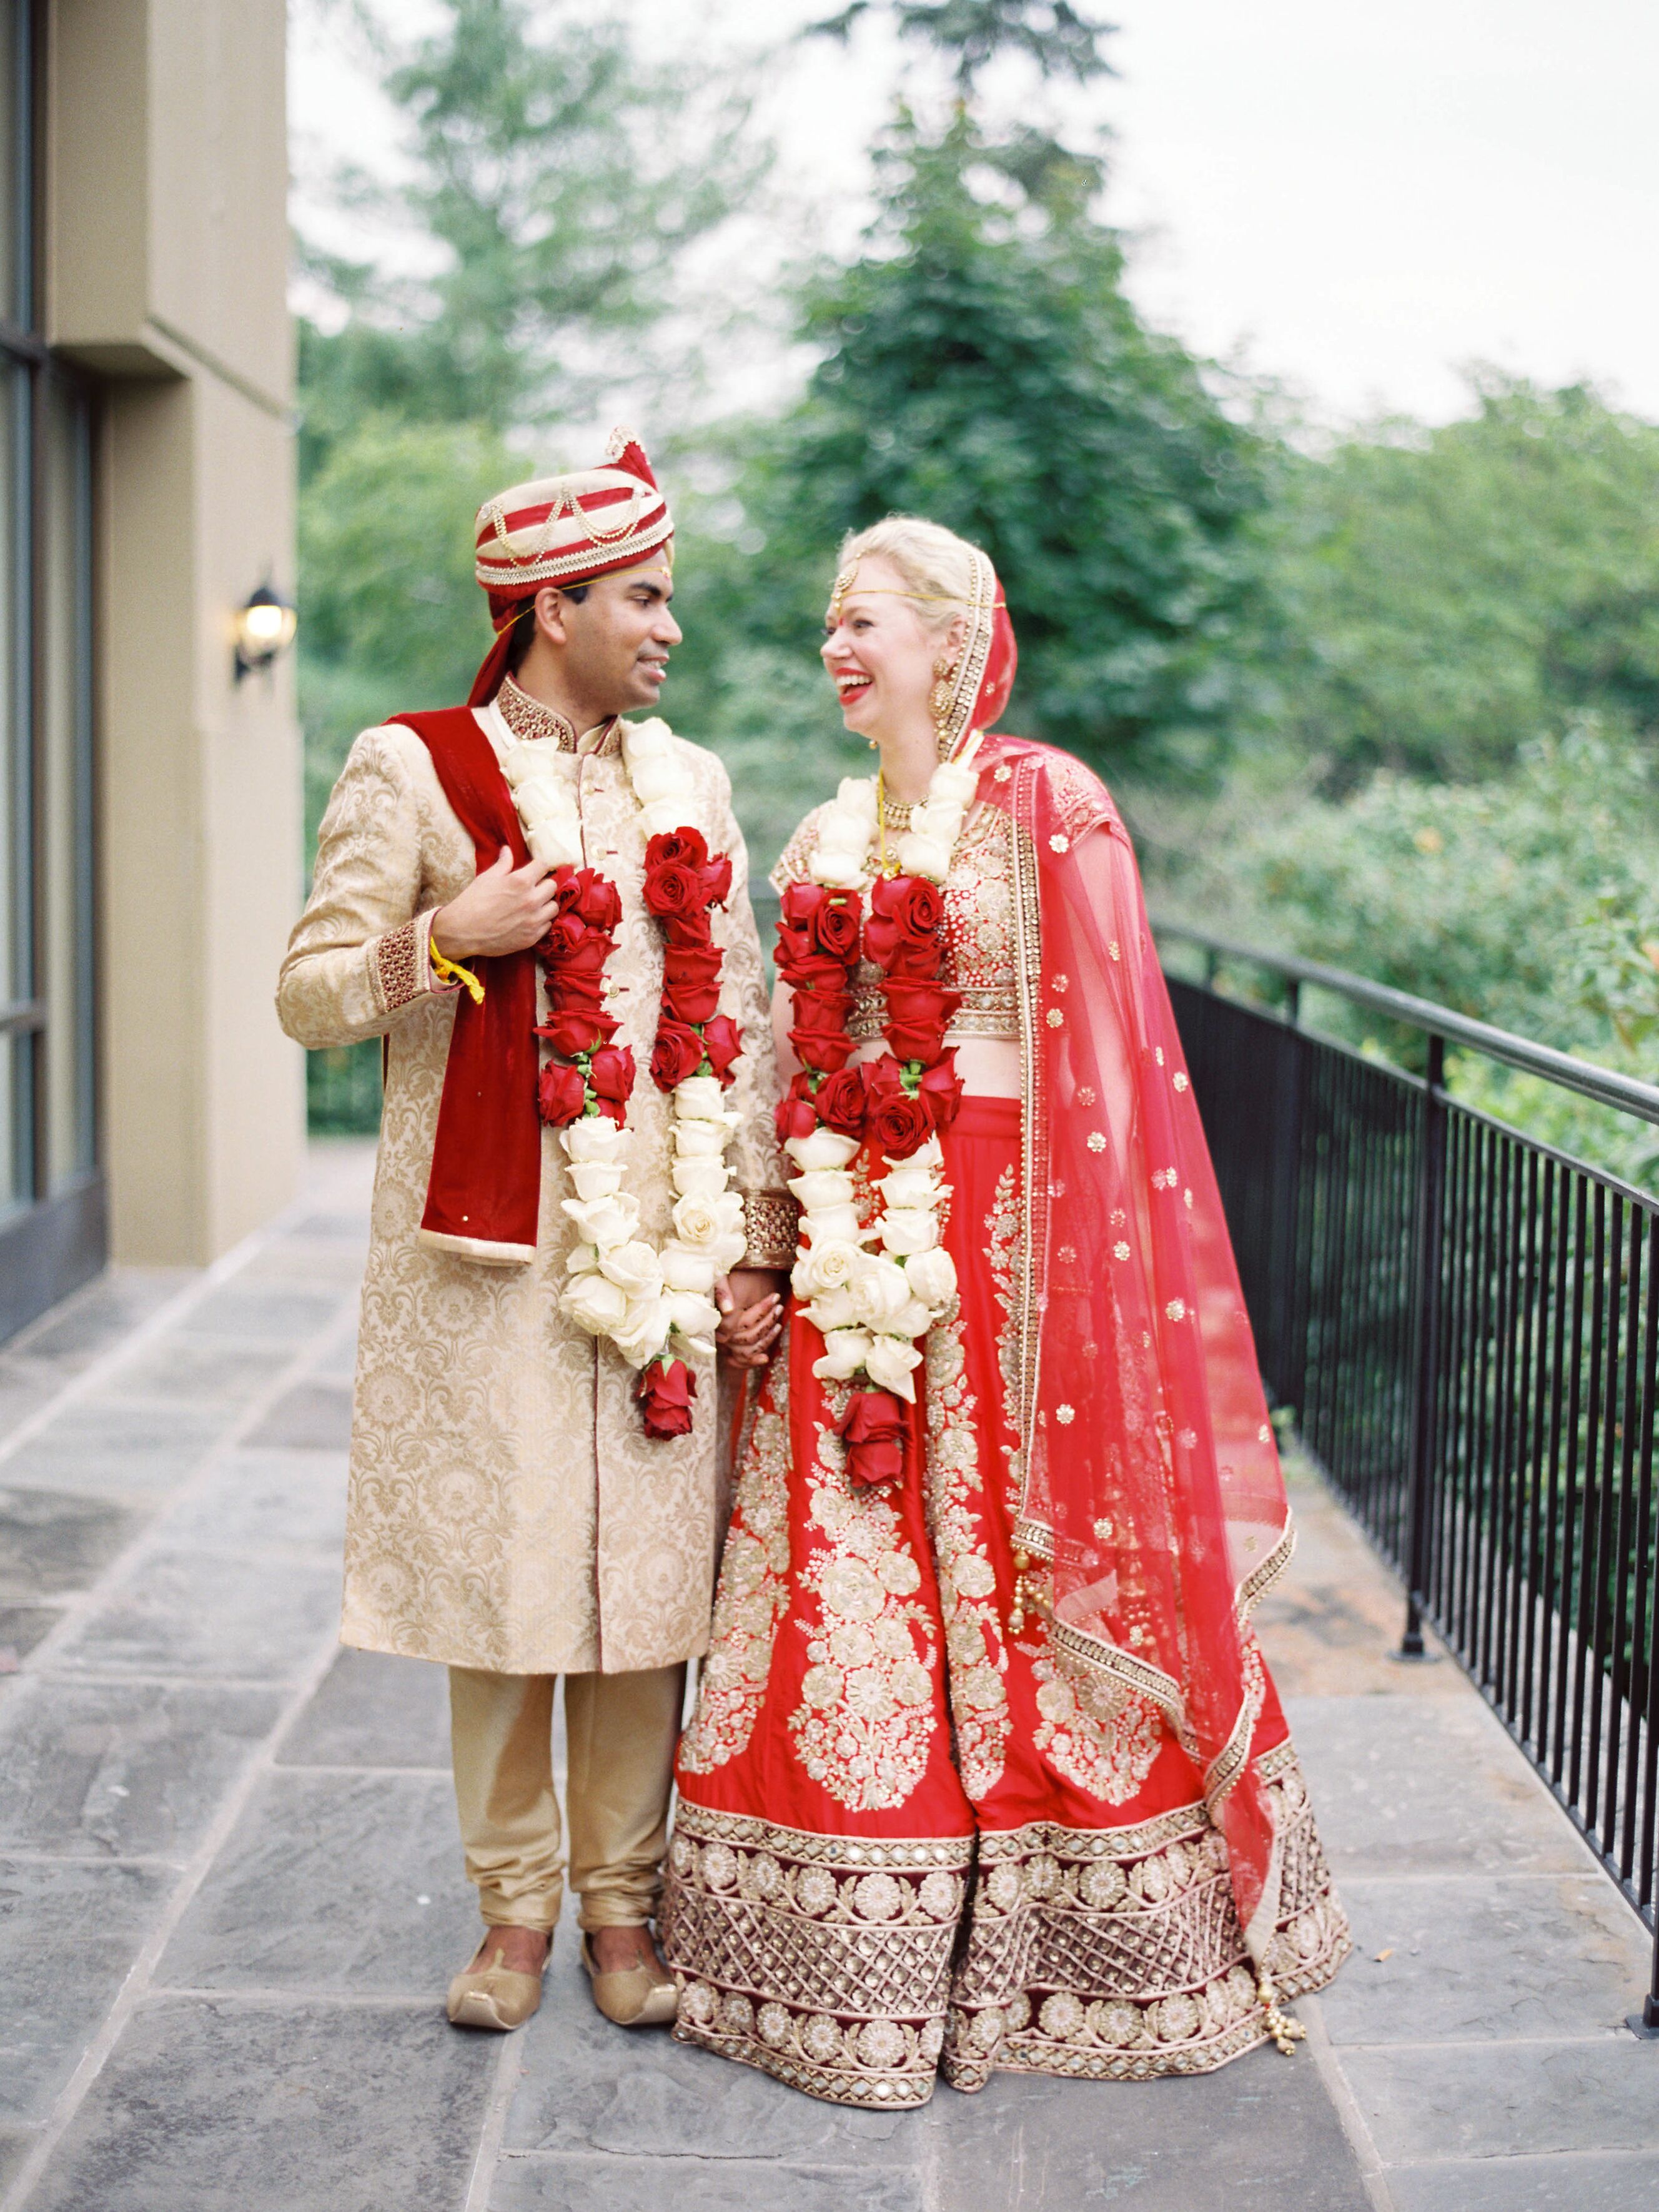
1352,199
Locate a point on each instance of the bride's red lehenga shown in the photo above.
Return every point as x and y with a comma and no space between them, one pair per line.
986,1769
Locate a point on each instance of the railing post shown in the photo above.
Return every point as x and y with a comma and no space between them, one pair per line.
1431,1212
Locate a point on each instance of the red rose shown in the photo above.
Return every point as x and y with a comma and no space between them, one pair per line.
835,926
795,1115
610,1071
672,889
571,1030
561,1093
677,1054
691,1002
903,910
564,933
941,1090
722,1040
687,930
586,894
716,881
874,1430
920,958
811,971
799,904
841,1101
825,1053
691,964
901,1125
918,1015
666,1389
580,959
684,847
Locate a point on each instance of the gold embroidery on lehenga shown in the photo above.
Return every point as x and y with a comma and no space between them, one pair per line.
753,1593
1094,1732
975,1659
866,1718
1002,1255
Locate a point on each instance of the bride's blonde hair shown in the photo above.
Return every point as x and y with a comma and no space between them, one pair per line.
937,566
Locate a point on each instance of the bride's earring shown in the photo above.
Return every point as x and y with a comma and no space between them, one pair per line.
939,701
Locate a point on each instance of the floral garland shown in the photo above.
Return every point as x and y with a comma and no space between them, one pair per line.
653,1305
872,1307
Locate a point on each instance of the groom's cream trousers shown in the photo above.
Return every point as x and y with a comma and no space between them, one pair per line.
621,1730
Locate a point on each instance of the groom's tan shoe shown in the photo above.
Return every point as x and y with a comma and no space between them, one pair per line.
640,1995
494,1995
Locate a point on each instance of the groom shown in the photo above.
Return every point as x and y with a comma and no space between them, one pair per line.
534,1489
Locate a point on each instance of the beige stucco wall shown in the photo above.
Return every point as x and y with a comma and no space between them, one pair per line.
166,270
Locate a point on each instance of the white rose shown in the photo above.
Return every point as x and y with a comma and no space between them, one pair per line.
693,1314
658,780
540,797
889,1363
646,740
933,1277
907,1229
856,795
604,1221
823,1149
845,1351
596,1178
838,865
905,1185
700,1178
954,783
830,1265
879,1291
696,1222
824,1187
728,1250
594,1304
556,845
595,1136
635,1267
838,1221
924,856
698,1141
699,1098
580,1258
644,1330
831,1309
522,762
685,1270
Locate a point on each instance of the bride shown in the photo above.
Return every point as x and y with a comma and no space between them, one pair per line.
986,1770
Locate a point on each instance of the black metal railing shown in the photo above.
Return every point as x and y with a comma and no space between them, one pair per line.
1464,1322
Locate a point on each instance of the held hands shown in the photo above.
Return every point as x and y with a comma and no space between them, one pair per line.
751,1301
502,909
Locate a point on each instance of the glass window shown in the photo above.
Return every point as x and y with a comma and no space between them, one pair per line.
66,826
13,157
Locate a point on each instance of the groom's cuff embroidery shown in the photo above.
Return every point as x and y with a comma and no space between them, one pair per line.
770,1221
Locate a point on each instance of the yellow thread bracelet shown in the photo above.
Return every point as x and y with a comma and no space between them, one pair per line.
451,972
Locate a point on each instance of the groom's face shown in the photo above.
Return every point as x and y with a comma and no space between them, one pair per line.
615,641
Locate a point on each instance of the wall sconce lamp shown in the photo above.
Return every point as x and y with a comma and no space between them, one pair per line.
264,627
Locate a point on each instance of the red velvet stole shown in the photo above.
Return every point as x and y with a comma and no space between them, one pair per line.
484,1189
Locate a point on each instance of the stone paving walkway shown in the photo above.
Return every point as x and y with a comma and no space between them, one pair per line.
230,1894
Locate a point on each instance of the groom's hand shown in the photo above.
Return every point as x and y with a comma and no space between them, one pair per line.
751,1301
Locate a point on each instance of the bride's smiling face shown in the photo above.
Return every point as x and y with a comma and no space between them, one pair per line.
878,654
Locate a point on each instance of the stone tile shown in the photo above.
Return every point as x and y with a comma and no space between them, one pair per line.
1408,1785
1508,2099
118,1449
589,2087
206,2106
1586,2183
321,1887
698,2185
125,1770
69,1933
1559,1956
278,1313
21,1627
71,1335
15,2148
200,1612
50,1543
20,1396
264,1501
1258,2137
179,1367
339,1362
312,1416
311,1263
374,1710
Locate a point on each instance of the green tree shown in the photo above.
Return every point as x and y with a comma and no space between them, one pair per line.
1442,596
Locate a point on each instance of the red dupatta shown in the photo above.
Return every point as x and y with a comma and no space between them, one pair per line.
1150,1478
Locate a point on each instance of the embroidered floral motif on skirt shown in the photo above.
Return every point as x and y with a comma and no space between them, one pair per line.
909,1837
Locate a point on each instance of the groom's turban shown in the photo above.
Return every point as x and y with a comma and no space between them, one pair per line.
563,530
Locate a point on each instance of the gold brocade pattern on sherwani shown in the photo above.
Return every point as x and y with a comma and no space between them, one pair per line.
865,1725
507,1511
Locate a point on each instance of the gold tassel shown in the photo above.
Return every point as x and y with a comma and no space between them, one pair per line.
451,972
1286,2031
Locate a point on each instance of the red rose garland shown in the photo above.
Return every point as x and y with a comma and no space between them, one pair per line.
910,1094
588,1074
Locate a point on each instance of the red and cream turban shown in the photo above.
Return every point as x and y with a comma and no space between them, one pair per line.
563,530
